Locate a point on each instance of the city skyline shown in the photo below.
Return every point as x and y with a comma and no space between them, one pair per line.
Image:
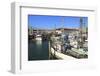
51,22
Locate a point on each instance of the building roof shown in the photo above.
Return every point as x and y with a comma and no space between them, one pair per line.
72,29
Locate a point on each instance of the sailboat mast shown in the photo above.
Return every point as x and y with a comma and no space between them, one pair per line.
81,25
62,24
81,30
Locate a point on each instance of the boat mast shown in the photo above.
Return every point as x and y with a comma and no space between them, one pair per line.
55,29
81,31
62,25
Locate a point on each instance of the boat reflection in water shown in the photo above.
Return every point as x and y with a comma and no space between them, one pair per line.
39,43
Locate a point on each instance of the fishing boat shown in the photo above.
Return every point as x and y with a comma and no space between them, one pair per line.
38,37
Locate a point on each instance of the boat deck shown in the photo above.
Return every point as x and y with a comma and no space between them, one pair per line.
61,55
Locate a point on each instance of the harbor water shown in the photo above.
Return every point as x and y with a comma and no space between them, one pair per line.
38,50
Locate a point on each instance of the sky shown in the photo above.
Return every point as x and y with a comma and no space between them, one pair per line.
52,22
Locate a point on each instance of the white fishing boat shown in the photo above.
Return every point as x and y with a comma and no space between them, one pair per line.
38,37
60,55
